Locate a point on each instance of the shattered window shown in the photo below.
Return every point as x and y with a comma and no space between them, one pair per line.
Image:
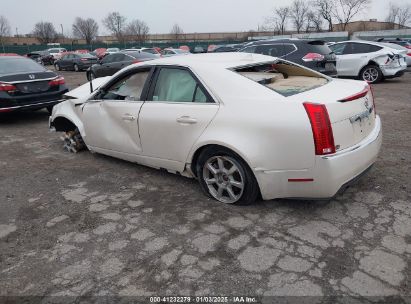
129,89
283,77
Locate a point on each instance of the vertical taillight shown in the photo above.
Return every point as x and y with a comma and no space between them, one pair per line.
321,126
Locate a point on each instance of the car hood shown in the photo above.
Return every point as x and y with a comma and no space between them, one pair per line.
82,93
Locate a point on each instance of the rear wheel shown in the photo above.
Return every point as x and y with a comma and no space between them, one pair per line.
371,74
226,177
57,66
76,68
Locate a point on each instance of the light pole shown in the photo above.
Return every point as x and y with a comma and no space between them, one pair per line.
17,34
62,33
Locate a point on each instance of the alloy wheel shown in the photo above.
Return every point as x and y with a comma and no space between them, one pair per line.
370,74
224,179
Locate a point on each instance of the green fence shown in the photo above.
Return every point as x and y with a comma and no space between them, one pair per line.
24,49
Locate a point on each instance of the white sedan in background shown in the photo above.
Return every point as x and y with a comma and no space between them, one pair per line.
244,125
370,61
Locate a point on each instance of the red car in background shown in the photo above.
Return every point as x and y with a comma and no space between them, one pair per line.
100,52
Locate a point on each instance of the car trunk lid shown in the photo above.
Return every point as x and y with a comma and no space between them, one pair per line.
350,106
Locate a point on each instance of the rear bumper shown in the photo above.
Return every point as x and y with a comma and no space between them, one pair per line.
330,174
393,71
31,102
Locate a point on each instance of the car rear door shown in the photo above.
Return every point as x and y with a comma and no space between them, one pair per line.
177,111
111,120
353,58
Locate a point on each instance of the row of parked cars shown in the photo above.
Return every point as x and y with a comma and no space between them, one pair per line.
26,84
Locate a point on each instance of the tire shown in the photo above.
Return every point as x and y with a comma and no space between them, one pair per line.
57,66
235,184
371,73
76,68
73,142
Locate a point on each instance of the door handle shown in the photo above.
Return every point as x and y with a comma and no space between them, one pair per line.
186,120
128,117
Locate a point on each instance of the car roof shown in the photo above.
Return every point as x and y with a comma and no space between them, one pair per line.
364,41
283,40
213,60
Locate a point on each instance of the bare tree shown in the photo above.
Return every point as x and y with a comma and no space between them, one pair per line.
326,8
346,10
45,32
281,16
393,11
314,22
138,30
4,30
298,13
86,29
116,24
404,16
176,31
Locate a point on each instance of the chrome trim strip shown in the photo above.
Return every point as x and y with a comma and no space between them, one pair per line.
25,81
34,104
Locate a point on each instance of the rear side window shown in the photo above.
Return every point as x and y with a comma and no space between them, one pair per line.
250,49
282,77
318,47
275,50
360,48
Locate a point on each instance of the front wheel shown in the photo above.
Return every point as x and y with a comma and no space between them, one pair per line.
57,66
76,68
226,177
371,74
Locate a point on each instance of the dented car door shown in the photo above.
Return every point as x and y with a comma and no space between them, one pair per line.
111,121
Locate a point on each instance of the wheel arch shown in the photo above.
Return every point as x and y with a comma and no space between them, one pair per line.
63,124
193,158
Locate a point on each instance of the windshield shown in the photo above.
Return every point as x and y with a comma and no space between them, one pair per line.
17,65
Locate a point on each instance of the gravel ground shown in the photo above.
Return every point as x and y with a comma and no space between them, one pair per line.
90,225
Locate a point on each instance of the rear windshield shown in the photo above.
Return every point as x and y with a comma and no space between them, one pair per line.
17,65
86,55
283,77
143,55
151,51
319,47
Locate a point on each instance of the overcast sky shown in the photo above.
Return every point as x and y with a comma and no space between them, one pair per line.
160,15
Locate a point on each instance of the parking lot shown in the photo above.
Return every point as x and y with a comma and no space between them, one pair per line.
86,224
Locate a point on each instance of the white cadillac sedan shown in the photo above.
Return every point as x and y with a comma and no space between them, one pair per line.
245,125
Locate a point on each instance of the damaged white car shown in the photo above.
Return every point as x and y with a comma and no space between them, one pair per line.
245,125
369,61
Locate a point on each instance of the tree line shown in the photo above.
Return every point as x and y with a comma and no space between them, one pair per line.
315,15
87,28
302,15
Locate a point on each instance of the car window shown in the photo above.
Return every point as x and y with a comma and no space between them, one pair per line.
275,50
338,49
118,57
250,49
107,59
288,48
177,85
129,88
359,48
